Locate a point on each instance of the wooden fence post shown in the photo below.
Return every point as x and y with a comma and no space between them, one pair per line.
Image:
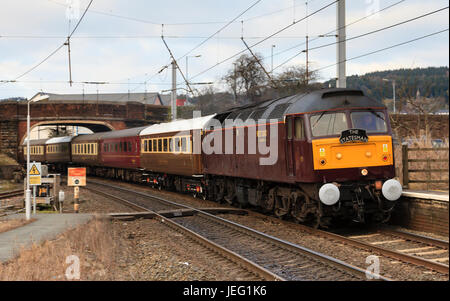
405,165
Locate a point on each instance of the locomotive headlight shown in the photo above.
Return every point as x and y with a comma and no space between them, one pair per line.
339,156
329,194
392,190
364,172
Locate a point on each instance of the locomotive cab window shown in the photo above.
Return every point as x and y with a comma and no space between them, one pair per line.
328,124
372,122
299,132
289,128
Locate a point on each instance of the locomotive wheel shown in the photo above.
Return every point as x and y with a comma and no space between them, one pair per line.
299,203
282,206
268,201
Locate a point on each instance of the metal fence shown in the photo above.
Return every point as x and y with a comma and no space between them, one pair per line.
426,174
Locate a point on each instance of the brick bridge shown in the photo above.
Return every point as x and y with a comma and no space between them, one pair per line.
96,115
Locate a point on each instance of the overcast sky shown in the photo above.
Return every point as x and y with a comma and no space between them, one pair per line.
119,41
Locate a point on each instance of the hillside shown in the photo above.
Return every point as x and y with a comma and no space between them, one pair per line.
432,82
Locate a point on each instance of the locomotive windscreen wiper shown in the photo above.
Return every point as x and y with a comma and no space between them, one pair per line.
375,113
317,120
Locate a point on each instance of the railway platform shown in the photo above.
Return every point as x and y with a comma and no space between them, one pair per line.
45,227
428,195
425,211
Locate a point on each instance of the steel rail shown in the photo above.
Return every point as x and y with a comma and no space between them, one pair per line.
417,238
8,194
230,255
356,271
439,267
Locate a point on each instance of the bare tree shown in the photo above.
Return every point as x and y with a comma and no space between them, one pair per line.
418,100
294,80
59,132
247,77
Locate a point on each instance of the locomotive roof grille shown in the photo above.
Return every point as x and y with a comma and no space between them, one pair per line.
342,93
278,111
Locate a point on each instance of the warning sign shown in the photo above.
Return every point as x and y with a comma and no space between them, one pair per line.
34,173
76,176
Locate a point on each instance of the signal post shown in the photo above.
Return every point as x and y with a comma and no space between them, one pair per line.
76,177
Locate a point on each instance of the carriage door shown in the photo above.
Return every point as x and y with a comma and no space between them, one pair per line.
289,146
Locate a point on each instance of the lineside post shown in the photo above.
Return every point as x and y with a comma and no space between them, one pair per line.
76,195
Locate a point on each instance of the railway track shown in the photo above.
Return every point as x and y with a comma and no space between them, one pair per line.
9,194
403,246
266,256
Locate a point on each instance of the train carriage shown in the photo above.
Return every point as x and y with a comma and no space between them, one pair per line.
169,157
120,154
37,150
85,150
58,151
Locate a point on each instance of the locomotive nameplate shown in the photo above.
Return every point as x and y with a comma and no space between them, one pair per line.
353,135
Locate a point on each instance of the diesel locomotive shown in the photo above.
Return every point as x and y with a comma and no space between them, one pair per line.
316,157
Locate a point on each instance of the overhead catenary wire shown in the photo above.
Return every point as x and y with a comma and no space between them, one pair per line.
265,39
57,49
363,35
336,29
175,23
221,29
383,49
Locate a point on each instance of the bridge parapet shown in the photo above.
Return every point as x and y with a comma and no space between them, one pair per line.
98,116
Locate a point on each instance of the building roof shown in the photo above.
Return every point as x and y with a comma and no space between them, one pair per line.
150,98
177,126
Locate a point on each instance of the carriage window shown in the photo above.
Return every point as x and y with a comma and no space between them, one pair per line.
327,124
130,147
289,128
149,145
183,144
177,144
298,131
159,145
165,144
372,122
145,145
85,149
155,149
170,145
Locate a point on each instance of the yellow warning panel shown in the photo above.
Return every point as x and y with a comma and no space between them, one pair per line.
35,181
